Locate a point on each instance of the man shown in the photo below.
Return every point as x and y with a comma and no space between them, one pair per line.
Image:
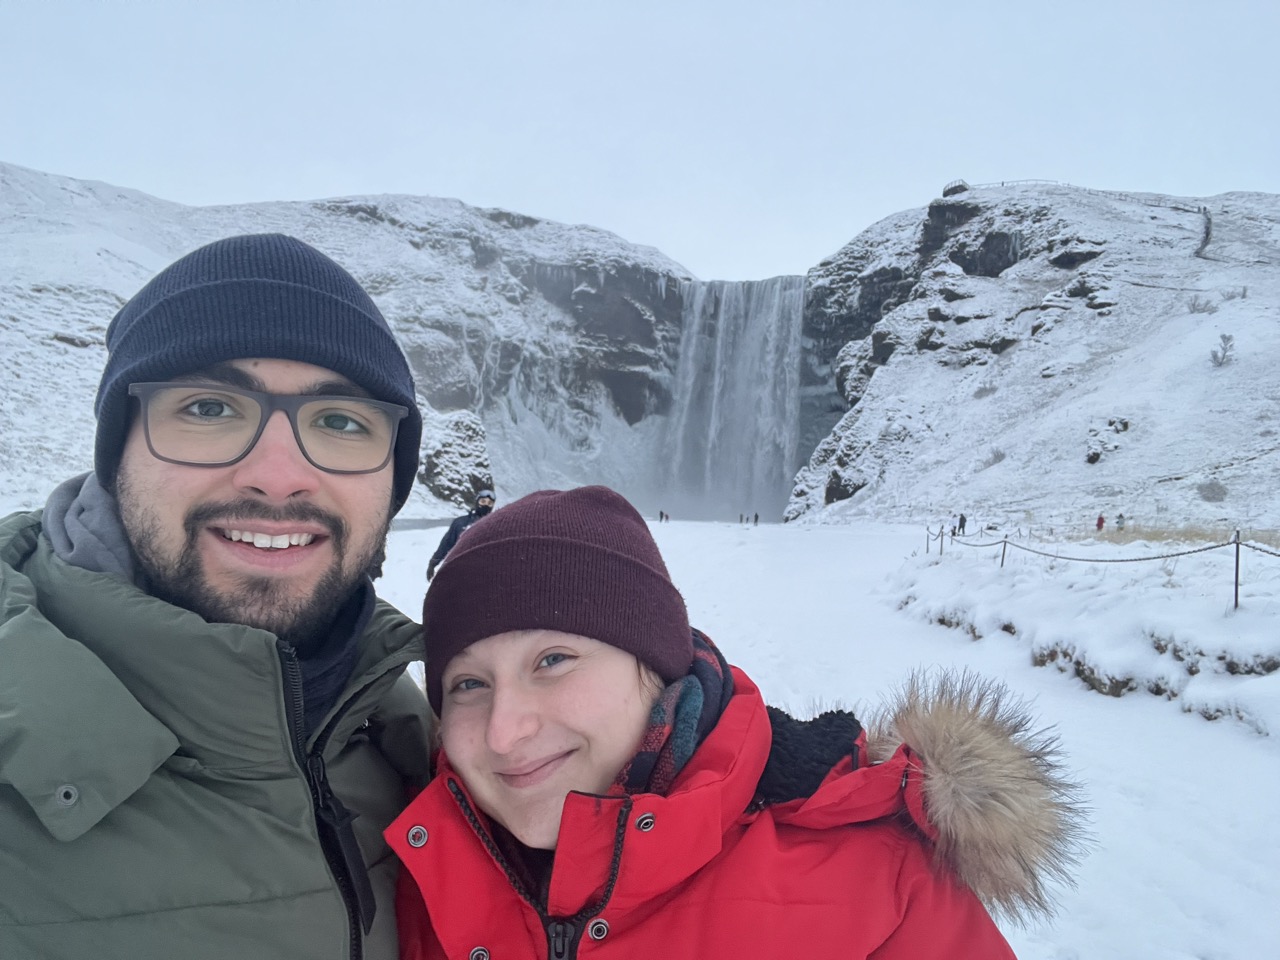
484,504
205,723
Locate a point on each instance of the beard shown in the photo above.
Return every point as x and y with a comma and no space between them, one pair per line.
267,603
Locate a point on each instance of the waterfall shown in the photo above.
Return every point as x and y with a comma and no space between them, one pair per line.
733,431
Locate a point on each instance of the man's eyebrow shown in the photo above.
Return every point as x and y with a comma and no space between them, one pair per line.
336,388
226,373
233,376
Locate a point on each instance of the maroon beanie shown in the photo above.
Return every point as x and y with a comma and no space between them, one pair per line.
579,561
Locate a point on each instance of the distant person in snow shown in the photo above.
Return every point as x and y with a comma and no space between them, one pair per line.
960,525
484,504
1120,522
955,524
205,720
1102,522
607,781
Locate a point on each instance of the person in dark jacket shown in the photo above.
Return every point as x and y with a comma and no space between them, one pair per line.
484,504
205,719
608,785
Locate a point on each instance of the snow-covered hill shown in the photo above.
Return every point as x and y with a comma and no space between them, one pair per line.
1027,353
1042,353
538,348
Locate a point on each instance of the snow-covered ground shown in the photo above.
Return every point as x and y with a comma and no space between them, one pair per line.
1186,860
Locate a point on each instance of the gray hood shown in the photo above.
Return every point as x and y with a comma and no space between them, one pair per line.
82,521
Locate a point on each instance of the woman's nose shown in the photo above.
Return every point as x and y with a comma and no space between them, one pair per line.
513,718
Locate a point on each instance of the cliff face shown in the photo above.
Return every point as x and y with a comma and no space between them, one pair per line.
539,350
1043,351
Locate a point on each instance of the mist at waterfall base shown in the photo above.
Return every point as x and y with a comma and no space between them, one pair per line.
730,446
1186,859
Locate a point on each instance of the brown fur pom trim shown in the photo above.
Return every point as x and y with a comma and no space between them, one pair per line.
1010,823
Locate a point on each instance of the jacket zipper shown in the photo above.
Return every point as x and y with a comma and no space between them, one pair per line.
562,940
563,933
332,817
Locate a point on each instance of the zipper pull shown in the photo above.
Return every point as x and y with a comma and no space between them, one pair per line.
330,807
560,939
331,812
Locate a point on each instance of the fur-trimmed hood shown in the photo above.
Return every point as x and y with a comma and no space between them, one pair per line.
973,769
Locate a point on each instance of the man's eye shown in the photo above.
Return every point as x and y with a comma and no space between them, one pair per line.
210,408
340,423
551,659
466,683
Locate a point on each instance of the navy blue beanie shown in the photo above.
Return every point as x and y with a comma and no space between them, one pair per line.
261,295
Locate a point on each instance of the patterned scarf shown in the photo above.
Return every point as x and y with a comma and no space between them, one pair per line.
685,712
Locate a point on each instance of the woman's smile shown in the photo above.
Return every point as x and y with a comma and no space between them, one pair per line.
533,773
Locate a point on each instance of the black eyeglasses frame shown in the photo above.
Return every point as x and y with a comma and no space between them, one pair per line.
269,403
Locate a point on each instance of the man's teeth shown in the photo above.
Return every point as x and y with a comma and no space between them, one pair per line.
266,541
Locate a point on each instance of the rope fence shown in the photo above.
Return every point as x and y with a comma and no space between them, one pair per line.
1005,543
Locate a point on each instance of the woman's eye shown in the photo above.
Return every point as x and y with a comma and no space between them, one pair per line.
466,683
551,659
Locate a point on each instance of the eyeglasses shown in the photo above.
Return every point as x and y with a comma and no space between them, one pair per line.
215,425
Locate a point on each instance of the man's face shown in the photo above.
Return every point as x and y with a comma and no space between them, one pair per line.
270,541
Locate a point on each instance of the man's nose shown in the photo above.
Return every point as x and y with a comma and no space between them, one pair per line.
276,468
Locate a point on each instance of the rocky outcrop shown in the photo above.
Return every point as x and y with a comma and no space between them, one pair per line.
997,252
455,462
628,322
980,333
942,219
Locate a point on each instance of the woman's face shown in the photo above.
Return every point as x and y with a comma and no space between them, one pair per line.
529,715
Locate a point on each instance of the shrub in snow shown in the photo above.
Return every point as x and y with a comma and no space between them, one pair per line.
1222,355
994,457
1212,491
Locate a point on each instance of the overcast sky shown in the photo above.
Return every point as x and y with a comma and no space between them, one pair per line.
744,139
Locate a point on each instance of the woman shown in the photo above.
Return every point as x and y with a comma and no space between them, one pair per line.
608,784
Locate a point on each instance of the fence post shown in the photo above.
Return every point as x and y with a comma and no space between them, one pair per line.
1004,546
928,539
941,530
1237,540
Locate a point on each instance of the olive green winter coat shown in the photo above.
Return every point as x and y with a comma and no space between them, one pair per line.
155,801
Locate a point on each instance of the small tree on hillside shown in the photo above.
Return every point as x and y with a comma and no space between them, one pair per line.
1222,355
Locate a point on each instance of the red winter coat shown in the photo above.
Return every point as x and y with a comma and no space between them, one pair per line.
704,873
